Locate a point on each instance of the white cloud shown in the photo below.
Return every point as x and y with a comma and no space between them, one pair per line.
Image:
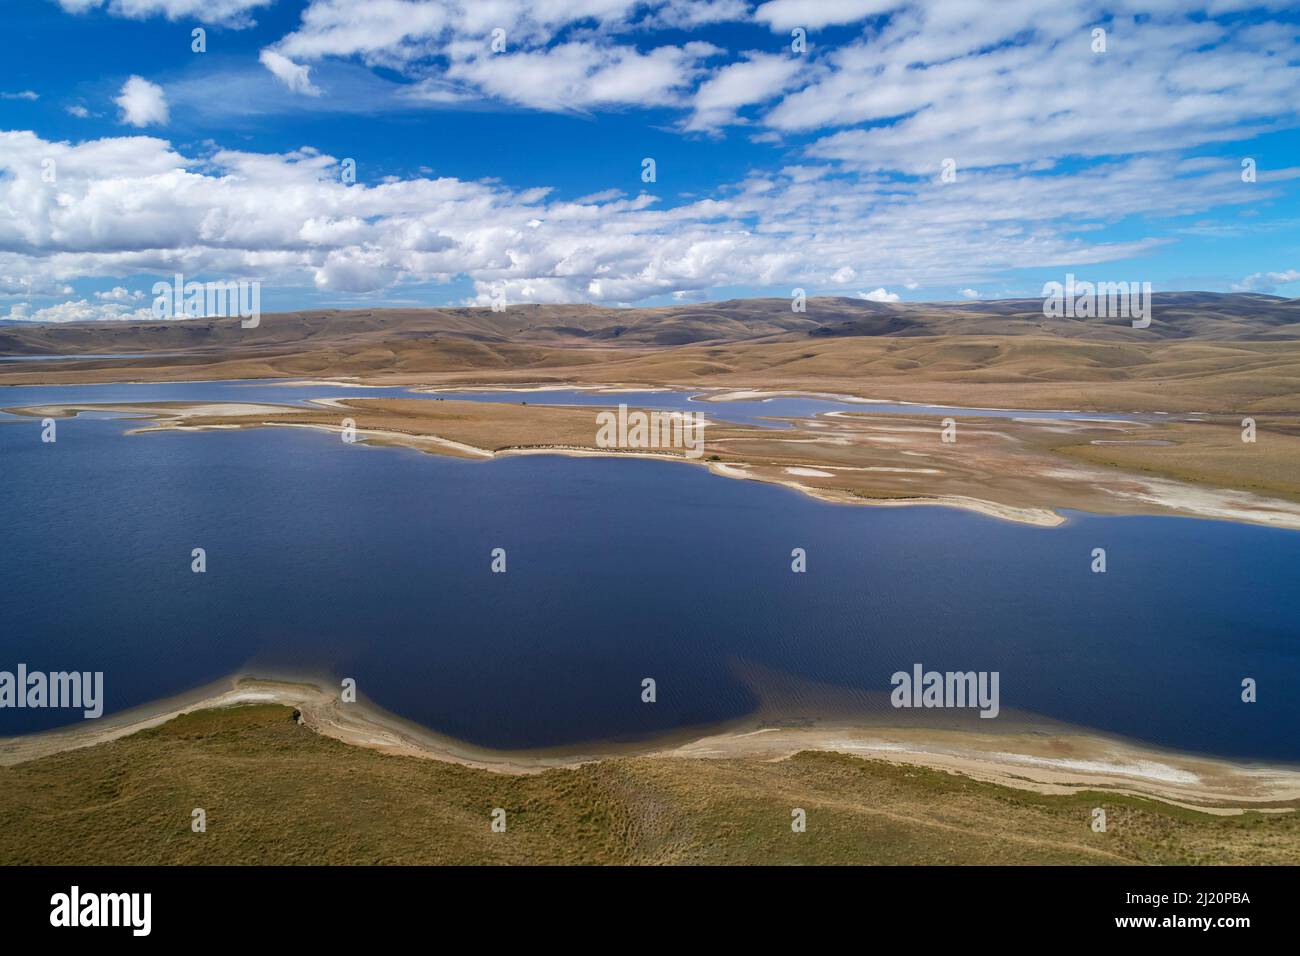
229,13
78,111
292,75
811,14
1266,281
907,84
119,294
684,14
21,95
390,31
142,103
447,48
1017,82
77,311
31,284
969,293
582,75
759,77
879,295
135,205
1006,89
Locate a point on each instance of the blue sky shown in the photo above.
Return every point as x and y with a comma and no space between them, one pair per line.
520,171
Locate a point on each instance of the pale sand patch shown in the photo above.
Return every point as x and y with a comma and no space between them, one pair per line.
1030,761
1042,517
734,471
889,468
964,410
1057,762
1189,500
808,473
1145,442
828,440
1213,503
1144,769
399,438
570,451
162,411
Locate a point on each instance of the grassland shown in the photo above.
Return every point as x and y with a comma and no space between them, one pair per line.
274,791
1000,371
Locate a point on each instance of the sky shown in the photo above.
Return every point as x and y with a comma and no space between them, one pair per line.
363,153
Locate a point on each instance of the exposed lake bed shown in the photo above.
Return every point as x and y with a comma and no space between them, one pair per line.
1046,758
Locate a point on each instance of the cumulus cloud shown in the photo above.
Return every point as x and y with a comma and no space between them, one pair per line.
142,103
1009,91
582,75
879,295
78,310
759,77
119,294
229,13
1266,281
31,284
909,83
21,95
134,205
685,14
1018,82
292,75
447,48
812,14
969,293
923,80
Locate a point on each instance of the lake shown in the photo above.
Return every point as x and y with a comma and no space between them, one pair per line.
341,560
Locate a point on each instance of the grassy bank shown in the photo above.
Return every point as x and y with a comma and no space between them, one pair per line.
277,792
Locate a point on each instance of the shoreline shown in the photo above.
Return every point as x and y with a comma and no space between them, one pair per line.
1170,498
1054,760
727,393
172,419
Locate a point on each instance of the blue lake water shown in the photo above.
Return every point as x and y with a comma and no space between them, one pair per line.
346,560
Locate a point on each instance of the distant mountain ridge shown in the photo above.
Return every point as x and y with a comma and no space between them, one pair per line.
1208,316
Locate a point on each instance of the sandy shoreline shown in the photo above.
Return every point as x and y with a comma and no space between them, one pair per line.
1053,761
1146,494
175,419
